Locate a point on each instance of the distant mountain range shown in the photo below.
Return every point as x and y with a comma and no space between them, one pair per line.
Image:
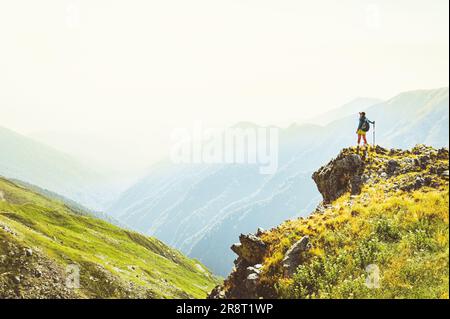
351,108
202,209
27,160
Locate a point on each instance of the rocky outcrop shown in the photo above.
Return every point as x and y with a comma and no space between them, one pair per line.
390,171
251,248
244,281
293,257
340,176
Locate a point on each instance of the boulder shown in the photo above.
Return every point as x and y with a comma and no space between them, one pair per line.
292,258
340,176
392,167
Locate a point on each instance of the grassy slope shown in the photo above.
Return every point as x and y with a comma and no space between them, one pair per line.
115,263
405,234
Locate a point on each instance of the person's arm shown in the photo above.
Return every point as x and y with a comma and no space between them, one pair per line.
371,122
360,125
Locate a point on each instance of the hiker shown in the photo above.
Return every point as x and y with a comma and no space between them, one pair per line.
363,127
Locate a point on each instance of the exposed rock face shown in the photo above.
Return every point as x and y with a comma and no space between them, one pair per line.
292,258
244,281
340,176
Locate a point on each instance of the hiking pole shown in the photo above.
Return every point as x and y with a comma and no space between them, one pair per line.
374,133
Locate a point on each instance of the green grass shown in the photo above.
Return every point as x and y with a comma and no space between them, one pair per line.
111,259
406,236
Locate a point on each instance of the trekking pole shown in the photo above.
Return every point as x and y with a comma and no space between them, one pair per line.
374,133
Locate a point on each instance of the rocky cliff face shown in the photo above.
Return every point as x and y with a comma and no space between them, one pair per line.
268,259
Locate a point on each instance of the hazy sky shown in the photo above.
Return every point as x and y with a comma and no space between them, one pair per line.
129,71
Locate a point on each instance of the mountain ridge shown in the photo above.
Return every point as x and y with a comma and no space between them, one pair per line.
383,210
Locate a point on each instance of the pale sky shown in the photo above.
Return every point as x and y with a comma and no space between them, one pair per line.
130,71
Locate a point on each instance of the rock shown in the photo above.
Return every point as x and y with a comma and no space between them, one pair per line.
340,176
253,270
252,277
424,161
16,279
443,154
381,150
445,175
392,167
395,151
365,178
420,149
251,284
7,229
236,248
28,252
251,248
419,182
217,293
260,231
384,175
292,258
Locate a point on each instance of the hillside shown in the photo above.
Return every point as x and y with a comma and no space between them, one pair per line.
72,205
41,237
202,209
384,217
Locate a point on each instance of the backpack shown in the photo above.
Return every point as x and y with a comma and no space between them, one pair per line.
366,126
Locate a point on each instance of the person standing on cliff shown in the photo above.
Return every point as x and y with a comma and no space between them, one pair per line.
363,128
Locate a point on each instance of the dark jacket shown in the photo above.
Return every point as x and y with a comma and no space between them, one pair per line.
362,120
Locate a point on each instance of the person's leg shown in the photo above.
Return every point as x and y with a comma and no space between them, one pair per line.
365,139
359,139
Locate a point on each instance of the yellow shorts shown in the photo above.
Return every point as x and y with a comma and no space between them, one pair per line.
361,132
